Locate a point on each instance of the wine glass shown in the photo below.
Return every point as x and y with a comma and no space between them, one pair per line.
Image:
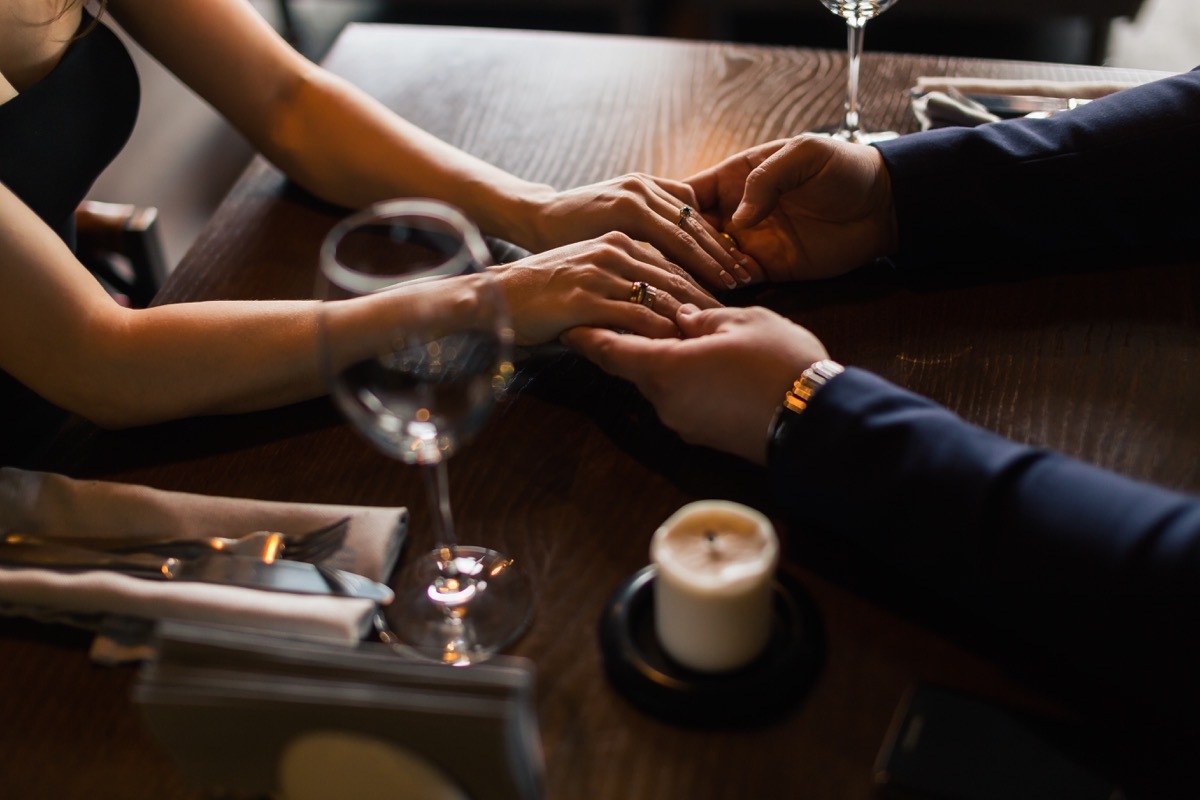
418,391
857,13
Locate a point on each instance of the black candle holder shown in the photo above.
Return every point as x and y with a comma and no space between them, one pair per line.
762,691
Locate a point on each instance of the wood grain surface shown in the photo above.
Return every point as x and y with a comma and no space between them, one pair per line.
574,472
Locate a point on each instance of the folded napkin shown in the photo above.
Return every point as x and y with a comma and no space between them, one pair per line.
46,503
940,102
1082,90
949,109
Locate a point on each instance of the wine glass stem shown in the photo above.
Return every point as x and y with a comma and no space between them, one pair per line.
458,637
437,481
854,42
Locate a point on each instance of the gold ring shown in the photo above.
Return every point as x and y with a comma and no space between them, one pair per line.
685,214
732,242
643,294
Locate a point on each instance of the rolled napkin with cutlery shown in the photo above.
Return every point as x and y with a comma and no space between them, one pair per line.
95,513
943,101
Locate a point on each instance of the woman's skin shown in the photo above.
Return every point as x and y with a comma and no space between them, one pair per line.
64,337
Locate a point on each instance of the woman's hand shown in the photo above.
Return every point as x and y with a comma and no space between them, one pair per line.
591,283
649,209
808,207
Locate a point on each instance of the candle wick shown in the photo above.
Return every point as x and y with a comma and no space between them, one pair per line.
711,538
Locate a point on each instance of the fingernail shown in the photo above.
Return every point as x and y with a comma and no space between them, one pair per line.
739,269
728,280
688,309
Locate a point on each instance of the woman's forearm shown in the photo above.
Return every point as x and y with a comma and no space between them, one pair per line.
190,359
329,136
347,148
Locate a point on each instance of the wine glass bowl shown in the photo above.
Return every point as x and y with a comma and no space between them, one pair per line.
418,388
856,13
426,384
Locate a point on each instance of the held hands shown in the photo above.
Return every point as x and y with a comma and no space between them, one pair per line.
593,283
720,384
648,209
804,208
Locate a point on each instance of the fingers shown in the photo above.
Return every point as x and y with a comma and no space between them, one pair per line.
638,290
706,235
647,264
653,322
641,307
778,174
800,160
683,235
705,186
693,322
617,354
760,197
690,321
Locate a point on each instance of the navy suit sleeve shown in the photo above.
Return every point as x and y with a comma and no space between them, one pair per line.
1120,172
1087,565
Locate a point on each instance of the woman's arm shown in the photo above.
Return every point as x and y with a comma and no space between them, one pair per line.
323,132
347,148
64,337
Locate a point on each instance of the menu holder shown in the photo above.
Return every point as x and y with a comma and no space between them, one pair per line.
237,709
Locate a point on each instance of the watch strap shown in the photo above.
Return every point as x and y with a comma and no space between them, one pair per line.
796,401
809,383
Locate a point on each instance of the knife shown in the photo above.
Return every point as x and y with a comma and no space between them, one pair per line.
1014,105
221,568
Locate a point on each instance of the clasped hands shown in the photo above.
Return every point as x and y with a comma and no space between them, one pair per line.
798,209
802,208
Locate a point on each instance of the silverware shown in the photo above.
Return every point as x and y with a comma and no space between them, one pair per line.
1015,105
351,584
212,567
315,545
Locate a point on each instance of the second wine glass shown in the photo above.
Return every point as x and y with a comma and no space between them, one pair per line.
856,13
420,388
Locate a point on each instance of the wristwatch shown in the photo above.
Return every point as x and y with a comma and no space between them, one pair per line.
797,399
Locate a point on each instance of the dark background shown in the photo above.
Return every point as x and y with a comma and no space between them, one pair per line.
1067,31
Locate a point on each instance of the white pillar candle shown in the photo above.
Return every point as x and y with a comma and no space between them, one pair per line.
715,564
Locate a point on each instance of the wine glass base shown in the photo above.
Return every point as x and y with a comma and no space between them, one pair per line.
464,614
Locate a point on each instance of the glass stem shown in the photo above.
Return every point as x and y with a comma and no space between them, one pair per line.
458,633
437,481
854,48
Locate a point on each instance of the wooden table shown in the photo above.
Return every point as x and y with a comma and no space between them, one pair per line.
574,473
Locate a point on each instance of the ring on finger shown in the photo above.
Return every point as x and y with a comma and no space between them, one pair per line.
730,241
685,213
643,294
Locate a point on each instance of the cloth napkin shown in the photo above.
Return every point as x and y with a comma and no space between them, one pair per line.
949,109
47,503
940,101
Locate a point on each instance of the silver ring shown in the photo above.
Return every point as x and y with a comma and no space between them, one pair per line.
643,294
685,214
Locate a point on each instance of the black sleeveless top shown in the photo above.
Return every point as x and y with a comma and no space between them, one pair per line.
56,137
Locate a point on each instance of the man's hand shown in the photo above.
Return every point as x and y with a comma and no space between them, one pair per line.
720,384
804,208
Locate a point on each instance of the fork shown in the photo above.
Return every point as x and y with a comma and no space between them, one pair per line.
312,546
316,545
